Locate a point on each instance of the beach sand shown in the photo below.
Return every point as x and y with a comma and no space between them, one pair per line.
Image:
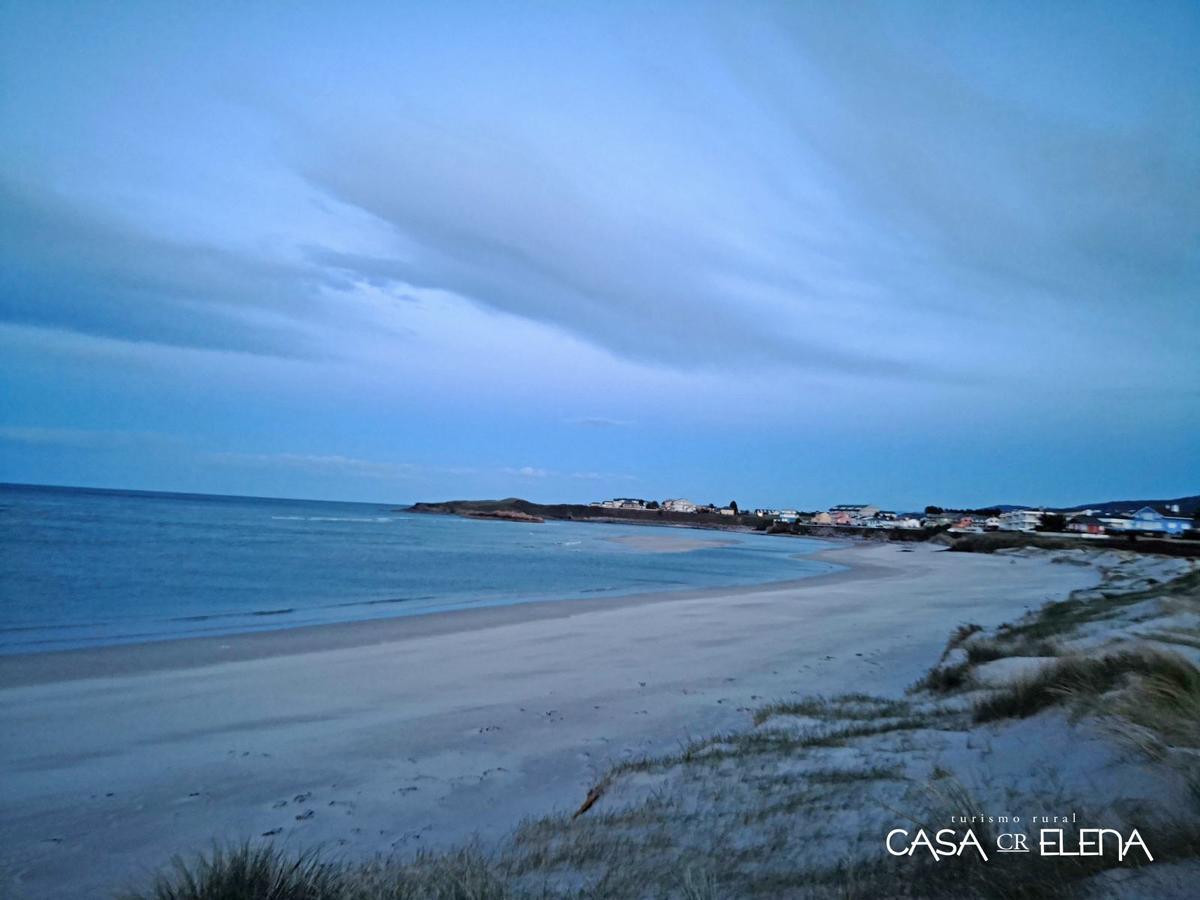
422,732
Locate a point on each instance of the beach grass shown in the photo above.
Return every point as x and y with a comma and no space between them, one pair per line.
1081,678
246,871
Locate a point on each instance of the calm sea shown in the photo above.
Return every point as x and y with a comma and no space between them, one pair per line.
84,567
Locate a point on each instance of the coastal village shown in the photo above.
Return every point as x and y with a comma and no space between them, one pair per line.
1165,521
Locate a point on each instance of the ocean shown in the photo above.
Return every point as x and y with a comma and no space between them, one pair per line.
83,568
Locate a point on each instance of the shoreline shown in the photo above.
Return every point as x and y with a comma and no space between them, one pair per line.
134,658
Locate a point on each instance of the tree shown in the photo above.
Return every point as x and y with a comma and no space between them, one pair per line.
933,510
653,504
733,506
1053,522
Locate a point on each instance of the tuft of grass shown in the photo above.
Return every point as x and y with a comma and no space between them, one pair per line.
984,650
246,872
1164,708
852,707
944,679
850,776
959,636
1174,636
264,872
1064,616
463,874
1086,677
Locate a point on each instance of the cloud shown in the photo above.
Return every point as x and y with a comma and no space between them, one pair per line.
790,188
535,245
64,267
1032,163
823,197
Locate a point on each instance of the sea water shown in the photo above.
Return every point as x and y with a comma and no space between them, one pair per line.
82,567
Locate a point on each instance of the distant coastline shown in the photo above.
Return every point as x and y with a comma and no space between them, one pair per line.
983,542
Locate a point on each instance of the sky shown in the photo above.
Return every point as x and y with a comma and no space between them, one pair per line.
787,254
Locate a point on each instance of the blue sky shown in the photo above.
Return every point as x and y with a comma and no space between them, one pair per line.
789,254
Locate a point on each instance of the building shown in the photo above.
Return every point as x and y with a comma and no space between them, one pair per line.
1149,520
727,511
822,518
853,512
940,520
1020,520
621,503
680,505
1087,525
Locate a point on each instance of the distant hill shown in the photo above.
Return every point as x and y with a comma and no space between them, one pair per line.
1187,505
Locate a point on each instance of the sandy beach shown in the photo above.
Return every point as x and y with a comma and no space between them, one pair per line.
423,732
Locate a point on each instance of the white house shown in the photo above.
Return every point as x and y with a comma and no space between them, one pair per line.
680,505
1020,520
622,503
1148,520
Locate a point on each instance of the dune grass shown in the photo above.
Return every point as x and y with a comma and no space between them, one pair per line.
246,872
1080,678
983,650
843,707
264,872
944,679
1063,616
